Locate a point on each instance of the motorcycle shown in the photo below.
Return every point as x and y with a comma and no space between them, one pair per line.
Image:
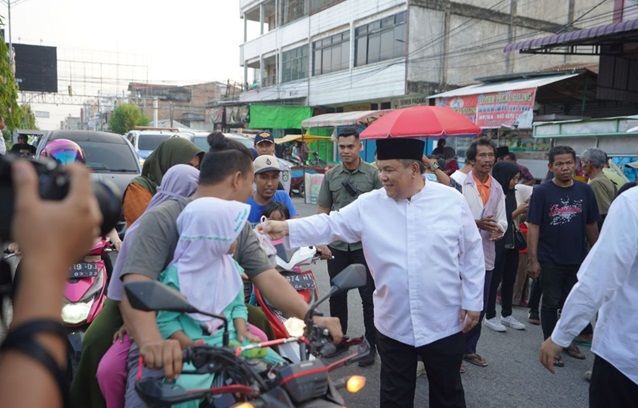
251,383
291,266
84,294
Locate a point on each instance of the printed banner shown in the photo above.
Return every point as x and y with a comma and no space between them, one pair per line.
497,109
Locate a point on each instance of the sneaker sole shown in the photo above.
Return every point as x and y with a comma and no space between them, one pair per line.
513,327
498,330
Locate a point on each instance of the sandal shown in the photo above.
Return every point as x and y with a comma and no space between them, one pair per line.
475,359
574,352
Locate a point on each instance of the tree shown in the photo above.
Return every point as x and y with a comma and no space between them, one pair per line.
125,117
27,117
9,109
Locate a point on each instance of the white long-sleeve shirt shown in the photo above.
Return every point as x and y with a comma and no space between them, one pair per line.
608,280
495,207
424,254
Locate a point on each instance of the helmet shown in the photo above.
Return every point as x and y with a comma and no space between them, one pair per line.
64,151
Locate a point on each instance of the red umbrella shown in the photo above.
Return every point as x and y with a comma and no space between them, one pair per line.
421,121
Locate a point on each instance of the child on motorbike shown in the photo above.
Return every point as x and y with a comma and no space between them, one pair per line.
204,271
276,211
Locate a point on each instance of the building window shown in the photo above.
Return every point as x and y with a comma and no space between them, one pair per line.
269,71
317,6
381,40
293,9
331,54
294,64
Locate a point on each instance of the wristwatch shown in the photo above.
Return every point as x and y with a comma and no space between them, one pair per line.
434,165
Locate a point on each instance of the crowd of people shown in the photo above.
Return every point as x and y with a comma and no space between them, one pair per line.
437,256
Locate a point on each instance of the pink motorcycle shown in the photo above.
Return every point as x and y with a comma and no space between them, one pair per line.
85,293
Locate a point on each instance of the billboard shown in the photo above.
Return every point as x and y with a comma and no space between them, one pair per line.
512,108
36,68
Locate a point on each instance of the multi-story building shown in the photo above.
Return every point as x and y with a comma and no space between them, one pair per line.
375,54
186,104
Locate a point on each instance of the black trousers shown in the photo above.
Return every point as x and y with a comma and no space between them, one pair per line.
611,388
535,296
557,281
339,303
472,337
442,360
505,268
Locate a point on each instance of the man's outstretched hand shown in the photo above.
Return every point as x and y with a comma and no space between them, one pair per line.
275,229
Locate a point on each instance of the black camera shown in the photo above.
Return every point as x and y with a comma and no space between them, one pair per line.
53,184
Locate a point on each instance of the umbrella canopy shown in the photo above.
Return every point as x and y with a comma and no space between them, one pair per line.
421,121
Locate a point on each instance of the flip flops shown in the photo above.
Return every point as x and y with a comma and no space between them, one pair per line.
475,359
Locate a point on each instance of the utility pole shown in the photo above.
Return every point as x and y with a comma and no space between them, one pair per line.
11,56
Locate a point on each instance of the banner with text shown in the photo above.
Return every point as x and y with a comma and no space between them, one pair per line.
513,108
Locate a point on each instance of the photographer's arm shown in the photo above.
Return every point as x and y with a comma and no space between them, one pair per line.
36,228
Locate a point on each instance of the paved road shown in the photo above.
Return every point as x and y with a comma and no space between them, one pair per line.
514,377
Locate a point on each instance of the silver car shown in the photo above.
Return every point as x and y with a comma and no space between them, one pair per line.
109,155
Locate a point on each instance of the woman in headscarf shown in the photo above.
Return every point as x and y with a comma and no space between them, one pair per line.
141,189
204,271
179,181
506,261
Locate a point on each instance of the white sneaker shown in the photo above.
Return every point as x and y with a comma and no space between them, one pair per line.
495,325
510,321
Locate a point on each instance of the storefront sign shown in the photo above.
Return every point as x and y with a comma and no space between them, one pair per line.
494,110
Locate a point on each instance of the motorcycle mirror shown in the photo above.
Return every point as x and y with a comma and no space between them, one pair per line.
354,276
151,296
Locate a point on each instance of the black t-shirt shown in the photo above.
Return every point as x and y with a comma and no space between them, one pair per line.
562,214
23,149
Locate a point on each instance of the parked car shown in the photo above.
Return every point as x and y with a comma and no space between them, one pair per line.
144,141
200,140
110,156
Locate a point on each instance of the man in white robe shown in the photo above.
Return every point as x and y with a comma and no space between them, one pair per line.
426,258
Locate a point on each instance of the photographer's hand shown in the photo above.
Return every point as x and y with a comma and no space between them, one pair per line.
51,235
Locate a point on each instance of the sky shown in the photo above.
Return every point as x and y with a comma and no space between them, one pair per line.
175,42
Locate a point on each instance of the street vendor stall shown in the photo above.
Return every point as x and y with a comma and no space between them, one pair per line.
612,135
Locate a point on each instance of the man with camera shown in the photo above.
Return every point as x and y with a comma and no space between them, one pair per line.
341,186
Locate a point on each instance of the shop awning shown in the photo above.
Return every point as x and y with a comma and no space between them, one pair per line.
505,103
504,86
342,119
304,138
278,116
587,41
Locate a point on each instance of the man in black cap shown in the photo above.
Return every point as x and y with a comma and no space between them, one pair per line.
340,187
425,255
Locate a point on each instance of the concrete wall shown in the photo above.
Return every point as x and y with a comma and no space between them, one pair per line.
334,19
478,32
370,82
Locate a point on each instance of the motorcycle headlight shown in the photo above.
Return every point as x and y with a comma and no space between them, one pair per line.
74,313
